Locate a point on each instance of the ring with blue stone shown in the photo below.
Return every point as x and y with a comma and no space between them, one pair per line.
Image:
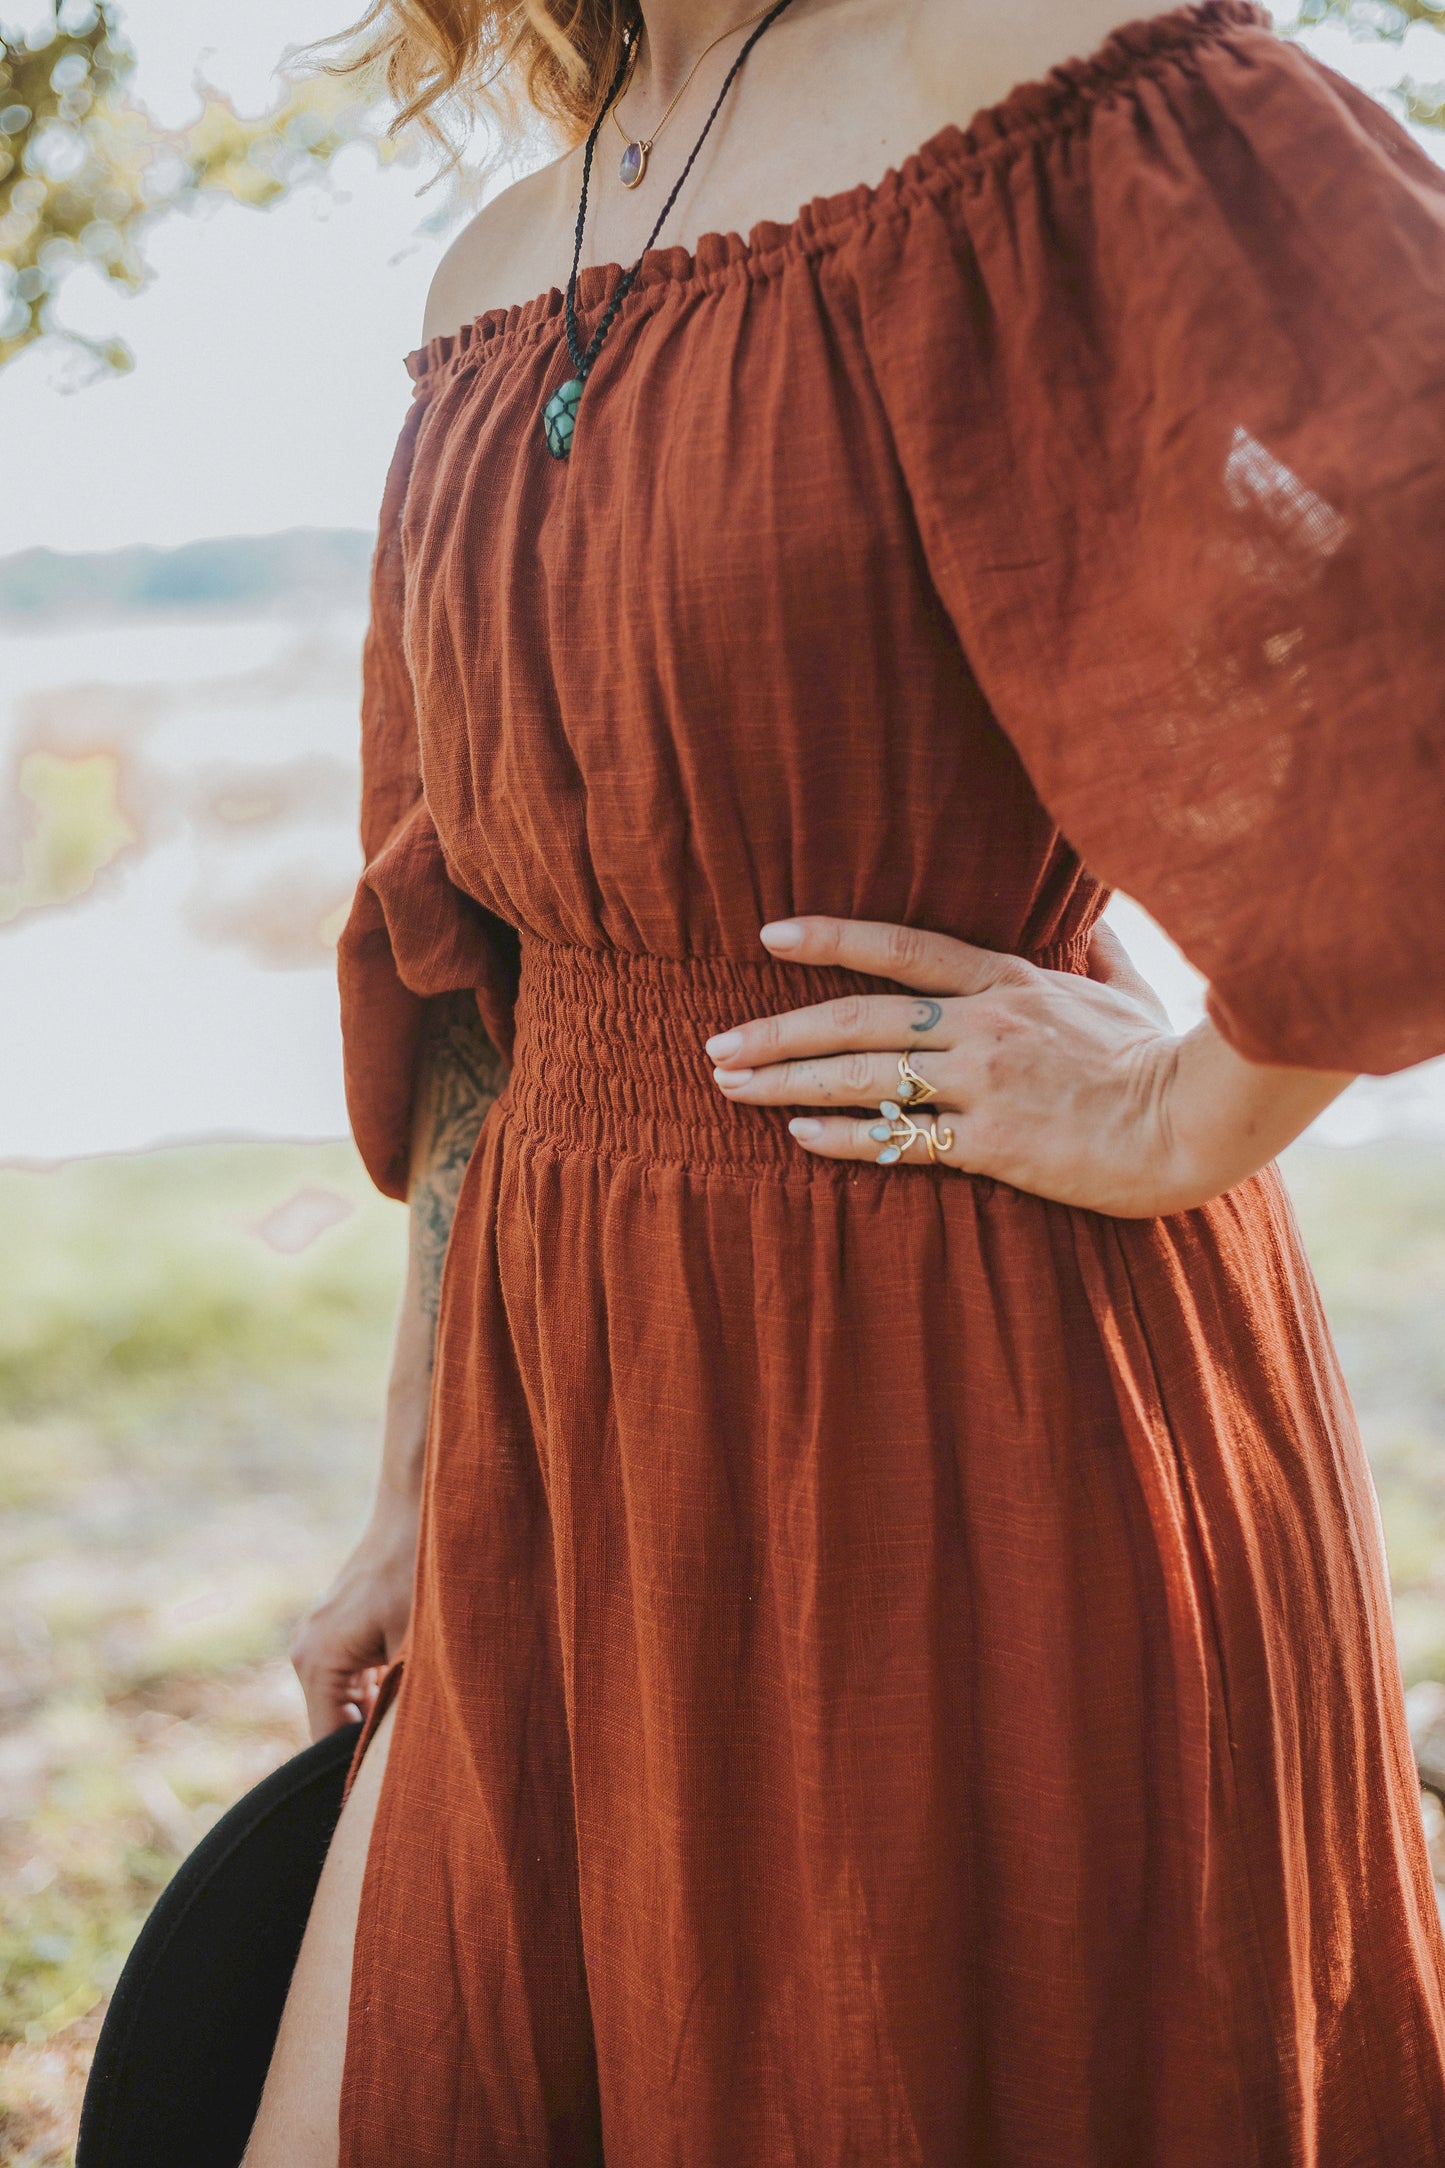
914,1088
897,1131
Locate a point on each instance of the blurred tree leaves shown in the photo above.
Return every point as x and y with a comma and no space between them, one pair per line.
76,825
85,169
1418,92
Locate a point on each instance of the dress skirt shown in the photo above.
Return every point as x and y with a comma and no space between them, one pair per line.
881,1691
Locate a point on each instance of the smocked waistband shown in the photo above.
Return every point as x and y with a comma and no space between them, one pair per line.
608,1056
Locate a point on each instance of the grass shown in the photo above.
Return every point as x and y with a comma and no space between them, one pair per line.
192,1351
1374,1223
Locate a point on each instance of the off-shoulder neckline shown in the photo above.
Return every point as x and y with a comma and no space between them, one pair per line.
1031,109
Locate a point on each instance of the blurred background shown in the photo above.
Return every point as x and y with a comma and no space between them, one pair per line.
211,265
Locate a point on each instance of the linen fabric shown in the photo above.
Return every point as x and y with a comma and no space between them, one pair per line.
902,1671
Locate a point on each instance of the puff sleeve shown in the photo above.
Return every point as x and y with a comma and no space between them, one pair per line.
1162,345
412,932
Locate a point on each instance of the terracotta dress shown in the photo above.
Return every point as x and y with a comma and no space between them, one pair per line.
902,1671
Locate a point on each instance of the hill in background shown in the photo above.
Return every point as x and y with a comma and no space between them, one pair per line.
304,569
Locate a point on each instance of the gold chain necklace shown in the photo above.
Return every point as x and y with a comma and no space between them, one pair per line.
633,162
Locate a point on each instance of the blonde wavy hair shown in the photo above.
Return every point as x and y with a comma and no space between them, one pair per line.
514,62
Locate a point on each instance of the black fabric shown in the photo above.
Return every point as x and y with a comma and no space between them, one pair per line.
185,2046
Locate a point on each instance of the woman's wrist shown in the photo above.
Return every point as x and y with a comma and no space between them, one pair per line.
1224,1117
408,1398
391,1527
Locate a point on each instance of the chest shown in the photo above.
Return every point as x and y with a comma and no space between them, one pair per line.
731,526
701,661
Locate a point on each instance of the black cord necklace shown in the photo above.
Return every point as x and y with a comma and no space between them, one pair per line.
559,415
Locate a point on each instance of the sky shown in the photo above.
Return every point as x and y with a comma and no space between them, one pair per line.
269,385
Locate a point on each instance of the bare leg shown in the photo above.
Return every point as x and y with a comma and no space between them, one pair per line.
297,2126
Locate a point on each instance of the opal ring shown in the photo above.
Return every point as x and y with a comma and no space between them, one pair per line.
914,1088
897,1132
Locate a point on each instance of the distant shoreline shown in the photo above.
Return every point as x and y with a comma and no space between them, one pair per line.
305,569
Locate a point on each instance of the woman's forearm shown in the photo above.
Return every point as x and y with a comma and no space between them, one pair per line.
461,1076
361,1622
1227,1117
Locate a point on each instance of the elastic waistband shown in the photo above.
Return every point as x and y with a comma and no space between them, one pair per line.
608,1057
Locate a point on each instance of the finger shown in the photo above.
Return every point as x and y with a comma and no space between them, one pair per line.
331,1687
835,1136
852,1021
329,1699
1111,965
934,963
845,1080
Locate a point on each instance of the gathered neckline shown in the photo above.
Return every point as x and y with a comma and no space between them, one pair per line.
1029,110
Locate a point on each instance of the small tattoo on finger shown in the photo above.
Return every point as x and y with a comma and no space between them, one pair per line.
927,1015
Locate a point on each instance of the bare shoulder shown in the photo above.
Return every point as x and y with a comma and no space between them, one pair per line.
881,76
977,52
508,253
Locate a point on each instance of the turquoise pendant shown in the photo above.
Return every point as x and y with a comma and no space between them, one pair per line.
559,417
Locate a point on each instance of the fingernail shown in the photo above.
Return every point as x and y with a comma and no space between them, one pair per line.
732,1076
783,933
806,1131
726,1042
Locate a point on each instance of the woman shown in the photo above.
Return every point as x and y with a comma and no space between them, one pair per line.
901,1667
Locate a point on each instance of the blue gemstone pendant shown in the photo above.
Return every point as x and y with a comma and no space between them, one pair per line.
559,417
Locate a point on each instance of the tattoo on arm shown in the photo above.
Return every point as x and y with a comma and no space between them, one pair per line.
927,1015
462,1075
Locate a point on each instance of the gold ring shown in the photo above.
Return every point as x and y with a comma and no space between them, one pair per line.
914,1088
897,1132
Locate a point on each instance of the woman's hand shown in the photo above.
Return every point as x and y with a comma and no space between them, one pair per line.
342,1644
1073,1088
